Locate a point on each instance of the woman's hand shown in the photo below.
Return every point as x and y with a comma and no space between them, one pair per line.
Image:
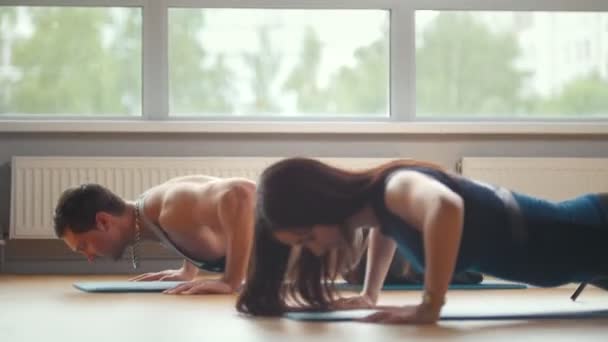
350,303
203,286
410,314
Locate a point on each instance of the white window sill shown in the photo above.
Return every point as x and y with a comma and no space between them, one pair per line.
393,128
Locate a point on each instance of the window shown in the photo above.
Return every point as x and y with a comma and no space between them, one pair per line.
70,61
491,64
278,62
254,61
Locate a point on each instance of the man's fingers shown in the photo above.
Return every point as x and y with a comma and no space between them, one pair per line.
148,277
209,288
196,290
151,277
179,288
199,287
136,278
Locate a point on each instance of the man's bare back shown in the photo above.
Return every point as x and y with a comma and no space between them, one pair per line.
187,210
207,219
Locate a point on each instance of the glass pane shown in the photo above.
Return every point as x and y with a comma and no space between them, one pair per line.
271,62
511,64
70,61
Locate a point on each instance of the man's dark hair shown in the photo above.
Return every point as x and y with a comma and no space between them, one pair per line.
78,206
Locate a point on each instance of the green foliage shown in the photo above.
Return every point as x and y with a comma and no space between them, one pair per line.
363,88
8,20
197,83
585,96
453,80
264,66
358,89
65,69
126,54
87,61
304,78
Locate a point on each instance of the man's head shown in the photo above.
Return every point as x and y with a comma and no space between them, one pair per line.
90,220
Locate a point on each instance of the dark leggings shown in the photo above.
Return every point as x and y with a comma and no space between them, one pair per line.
603,198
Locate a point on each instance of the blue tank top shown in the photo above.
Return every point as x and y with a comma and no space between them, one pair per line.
511,235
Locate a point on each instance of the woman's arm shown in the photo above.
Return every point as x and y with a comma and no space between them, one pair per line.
380,253
438,213
379,256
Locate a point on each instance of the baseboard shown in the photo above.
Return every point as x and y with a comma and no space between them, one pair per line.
83,267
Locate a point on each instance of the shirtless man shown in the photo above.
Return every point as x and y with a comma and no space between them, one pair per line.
208,221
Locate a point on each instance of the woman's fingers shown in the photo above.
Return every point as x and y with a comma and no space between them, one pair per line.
357,302
377,317
403,315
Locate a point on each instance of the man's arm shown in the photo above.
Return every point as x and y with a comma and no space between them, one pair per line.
189,269
236,214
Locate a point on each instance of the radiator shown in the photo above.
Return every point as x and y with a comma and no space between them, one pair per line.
550,178
37,182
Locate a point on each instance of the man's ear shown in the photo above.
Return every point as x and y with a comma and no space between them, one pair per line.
102,221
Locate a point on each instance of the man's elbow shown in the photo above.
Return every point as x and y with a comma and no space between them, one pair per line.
244,192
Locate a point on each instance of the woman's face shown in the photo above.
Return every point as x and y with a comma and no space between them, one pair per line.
319,239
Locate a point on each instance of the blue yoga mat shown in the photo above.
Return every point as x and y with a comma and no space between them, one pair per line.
160,286
411,287
349,315
126,286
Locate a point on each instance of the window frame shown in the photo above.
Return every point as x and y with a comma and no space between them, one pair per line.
155,99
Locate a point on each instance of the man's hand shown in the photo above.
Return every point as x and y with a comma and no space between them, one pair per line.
203,286
167,275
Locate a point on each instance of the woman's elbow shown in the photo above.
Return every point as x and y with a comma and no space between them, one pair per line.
452,206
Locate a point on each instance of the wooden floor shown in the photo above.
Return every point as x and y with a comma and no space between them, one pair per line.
48,308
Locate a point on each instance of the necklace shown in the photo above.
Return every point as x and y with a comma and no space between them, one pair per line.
134,256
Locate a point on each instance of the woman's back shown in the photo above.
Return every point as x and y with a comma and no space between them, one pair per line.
511,235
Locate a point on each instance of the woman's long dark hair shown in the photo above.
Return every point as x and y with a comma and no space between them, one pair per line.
298,193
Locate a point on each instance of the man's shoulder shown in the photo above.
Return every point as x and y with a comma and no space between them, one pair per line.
238,190
196,178
176,207
185,193
239,184
180,193
181,197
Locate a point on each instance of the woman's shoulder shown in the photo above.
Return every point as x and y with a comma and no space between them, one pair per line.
407,171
